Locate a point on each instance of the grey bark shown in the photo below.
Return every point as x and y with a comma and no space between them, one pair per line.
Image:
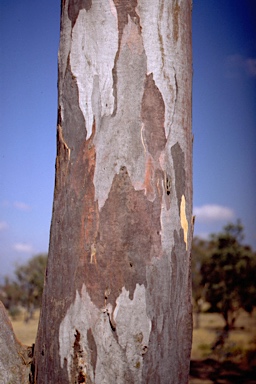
15,358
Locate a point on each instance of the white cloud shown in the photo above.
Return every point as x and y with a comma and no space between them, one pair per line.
236,65
21,206
3,225
212,212
23,247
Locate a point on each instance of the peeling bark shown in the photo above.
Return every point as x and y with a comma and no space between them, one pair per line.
116,305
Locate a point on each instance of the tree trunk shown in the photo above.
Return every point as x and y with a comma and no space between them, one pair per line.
117,300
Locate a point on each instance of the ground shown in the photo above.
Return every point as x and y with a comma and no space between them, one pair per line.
233,360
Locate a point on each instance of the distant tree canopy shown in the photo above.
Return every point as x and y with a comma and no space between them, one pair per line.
27,287
200,252
228,274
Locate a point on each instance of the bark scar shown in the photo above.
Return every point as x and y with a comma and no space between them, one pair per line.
108,309
62,141
175,98
183,219
93,259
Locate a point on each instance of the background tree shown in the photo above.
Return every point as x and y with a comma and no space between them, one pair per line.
229,275
26,289
30,282
10,295
117,300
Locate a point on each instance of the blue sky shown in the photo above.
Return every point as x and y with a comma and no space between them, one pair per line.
224,120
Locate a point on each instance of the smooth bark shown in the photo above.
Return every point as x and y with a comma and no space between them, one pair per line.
117,299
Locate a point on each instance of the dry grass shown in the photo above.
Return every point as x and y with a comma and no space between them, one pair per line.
26,332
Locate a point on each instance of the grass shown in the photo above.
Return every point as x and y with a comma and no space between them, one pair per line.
26,331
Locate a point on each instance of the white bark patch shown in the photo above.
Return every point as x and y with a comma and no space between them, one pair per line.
155,20
116,357
133,327
183,219
118,139
167,227
93,50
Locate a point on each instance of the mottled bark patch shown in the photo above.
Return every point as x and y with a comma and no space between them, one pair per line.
128,237
65,269
152,114
125,8
170,275
74,7
179,169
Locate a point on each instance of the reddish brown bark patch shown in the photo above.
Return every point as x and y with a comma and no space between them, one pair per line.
153,117
75,6
128,237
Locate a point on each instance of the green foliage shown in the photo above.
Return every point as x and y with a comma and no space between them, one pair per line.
27,288
228,275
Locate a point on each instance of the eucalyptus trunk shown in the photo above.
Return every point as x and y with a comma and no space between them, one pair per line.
117,298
